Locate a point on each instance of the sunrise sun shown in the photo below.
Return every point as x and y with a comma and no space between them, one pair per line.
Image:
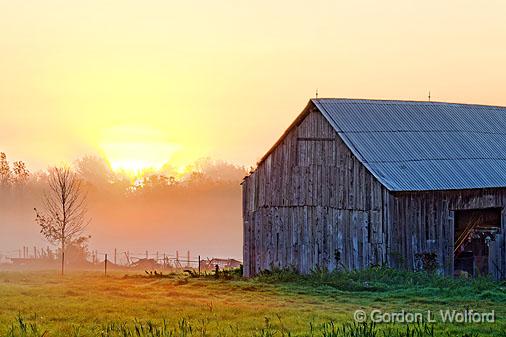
135,149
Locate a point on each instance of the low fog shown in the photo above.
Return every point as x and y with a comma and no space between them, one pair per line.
163,211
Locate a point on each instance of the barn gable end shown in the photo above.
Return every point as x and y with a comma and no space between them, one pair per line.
305,198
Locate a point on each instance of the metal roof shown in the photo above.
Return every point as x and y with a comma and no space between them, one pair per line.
422,146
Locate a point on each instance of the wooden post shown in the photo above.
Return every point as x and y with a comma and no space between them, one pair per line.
157,257
115,255
34,252
105,265
199,265
188,261
147,255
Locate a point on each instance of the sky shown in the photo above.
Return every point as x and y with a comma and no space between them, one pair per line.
144,83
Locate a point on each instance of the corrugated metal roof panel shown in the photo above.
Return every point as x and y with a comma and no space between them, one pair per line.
417,146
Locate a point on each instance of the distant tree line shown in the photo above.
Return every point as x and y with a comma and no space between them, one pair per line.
97,174
206,194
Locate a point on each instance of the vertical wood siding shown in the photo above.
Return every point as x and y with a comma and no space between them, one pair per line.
427,219
308,199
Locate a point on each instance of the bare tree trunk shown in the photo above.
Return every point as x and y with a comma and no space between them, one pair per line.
62,258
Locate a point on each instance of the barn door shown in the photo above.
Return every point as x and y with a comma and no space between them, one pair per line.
496,257
478,242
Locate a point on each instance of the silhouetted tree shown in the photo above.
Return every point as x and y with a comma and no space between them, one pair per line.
5,170
63,217
21,173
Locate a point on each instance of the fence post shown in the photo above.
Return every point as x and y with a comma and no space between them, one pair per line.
105,265
199,265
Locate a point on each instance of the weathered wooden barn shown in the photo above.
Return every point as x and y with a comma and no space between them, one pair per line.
359,183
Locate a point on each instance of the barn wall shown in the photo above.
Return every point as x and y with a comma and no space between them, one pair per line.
424,222
309,199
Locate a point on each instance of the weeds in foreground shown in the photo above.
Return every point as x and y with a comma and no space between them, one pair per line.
373,330
187,328
21,328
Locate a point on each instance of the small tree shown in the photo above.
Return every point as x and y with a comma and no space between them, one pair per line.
63,218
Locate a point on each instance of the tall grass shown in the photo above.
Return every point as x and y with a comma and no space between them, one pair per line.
381,279
187,328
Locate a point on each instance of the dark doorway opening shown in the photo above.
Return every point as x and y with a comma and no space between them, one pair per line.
474,231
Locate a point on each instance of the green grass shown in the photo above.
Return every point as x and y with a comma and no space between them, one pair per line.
274,304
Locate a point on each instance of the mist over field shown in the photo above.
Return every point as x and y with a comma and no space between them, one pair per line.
164,211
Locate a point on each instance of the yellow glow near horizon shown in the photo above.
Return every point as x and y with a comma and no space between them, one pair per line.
134,149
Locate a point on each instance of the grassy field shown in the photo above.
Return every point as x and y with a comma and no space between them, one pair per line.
279,304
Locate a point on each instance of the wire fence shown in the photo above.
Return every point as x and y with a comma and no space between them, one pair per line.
117,258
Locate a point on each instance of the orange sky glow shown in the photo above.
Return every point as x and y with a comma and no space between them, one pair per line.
143,84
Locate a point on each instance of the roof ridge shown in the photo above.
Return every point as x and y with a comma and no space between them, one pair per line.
400,101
